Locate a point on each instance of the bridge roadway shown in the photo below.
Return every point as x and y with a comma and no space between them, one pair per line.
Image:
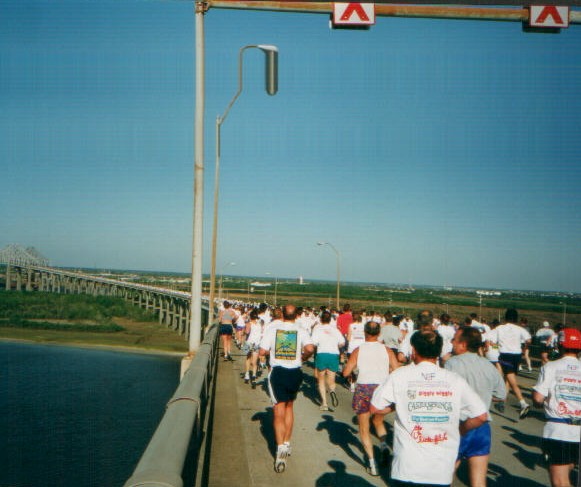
326,448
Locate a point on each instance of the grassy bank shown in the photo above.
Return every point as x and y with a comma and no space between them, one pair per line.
83,320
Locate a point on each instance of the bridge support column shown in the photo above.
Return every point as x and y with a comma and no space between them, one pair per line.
8,278
19,279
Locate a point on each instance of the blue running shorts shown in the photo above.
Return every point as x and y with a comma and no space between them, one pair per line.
476,442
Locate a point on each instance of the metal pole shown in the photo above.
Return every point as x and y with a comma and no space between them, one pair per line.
197,239
271,84
515,14
215,222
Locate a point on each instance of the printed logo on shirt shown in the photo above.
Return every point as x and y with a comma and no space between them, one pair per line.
286,344
420,437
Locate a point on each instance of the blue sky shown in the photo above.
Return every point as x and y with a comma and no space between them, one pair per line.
426,151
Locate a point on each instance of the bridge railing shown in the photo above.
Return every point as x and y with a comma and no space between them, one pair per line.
184,424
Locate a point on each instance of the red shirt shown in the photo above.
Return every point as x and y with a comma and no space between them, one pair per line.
343,322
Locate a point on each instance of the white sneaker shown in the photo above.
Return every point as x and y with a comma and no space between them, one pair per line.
280,460
372,468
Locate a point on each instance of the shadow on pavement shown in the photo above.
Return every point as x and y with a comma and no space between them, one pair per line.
342,435
530,459
500,477
340,477
266,428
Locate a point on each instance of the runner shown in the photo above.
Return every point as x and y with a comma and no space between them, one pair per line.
483,377
374,361
545,336
558,391
288,346
328,340
226,319
509,338
251,346
429,403
355,337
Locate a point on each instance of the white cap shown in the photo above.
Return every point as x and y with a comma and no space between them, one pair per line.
546,323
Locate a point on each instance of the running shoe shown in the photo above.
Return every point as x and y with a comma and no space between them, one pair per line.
524,411
280,460
372,468
253,383
334,399
246,380
230,358
324,408
288,448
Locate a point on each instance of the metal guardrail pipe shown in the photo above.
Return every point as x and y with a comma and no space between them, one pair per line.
162,463
514,14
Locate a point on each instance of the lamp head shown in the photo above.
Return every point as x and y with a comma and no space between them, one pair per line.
271,71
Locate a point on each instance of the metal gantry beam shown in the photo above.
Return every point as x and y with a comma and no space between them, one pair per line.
510,14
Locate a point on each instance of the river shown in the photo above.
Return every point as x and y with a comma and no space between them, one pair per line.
74,417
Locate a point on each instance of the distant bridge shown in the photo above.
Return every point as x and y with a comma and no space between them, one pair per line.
185,425
172,307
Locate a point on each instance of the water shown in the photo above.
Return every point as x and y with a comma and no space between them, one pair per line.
73,417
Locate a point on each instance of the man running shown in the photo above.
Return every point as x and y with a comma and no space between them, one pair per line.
374,361
484,378
288,346
429,403
509,338
558,390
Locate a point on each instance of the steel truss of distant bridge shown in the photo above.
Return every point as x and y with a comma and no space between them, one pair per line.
172,307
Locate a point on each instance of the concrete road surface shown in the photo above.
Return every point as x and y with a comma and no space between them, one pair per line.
325,446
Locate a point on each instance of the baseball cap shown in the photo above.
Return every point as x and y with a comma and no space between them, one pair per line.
570,338
546,323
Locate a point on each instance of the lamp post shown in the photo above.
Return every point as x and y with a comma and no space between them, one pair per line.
338,255
564,312
271,79
222,279
275,286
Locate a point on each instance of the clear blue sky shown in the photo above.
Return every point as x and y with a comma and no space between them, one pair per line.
426,151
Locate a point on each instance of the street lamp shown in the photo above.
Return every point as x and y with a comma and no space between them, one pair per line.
221,281
271,80
275,286
338,267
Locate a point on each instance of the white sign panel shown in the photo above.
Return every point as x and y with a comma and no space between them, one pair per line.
354,13
549,16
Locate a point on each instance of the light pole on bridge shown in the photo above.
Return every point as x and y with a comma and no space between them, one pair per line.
271,79
338,255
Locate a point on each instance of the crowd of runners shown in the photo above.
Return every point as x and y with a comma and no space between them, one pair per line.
438,376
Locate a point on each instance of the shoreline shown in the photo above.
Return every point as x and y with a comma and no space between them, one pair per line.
87,346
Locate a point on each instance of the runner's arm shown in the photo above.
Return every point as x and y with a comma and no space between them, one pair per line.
472,423
351,363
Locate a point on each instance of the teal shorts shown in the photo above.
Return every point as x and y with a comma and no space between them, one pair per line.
327,361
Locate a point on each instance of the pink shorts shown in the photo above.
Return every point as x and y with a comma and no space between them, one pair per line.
362,397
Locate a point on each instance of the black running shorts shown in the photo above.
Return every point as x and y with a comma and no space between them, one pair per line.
284,384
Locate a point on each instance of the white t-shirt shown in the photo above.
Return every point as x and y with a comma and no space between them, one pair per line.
430,402
560,383
405,346
255,334
447,333
406,325
285,341
509,337
357,336
327,339
304,324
